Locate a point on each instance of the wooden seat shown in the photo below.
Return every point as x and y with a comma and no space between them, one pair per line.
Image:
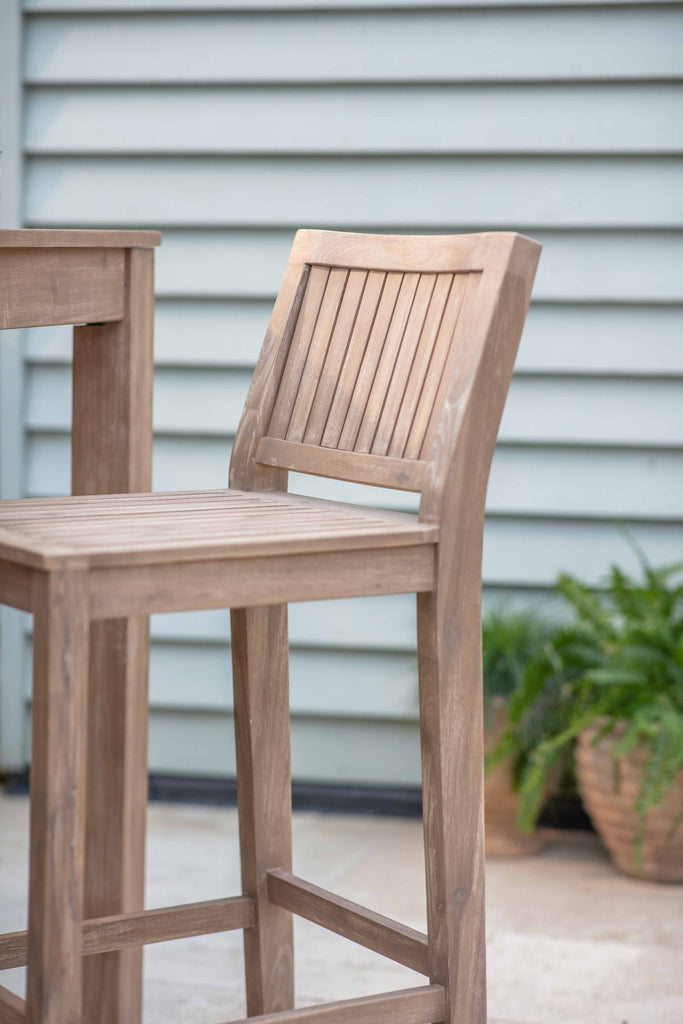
387,361
142,529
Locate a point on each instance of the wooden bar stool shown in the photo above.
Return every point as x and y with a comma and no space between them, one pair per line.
387,361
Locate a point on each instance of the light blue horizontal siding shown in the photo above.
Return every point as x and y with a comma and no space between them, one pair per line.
541,480
558,410
354,192
544,43
578,266
192,6
229,128
323,749
357,684
612,340
571,119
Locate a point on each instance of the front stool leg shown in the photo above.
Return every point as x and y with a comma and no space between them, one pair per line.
260,659
451,726
60,673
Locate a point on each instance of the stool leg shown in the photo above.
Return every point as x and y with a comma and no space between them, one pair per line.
60,660
264,795
113,369
451,724
116,810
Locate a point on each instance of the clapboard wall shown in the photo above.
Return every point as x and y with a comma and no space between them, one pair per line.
229,124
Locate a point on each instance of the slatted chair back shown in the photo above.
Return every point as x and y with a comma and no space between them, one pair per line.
379,349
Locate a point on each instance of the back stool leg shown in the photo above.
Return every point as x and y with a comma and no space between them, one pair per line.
261,680
451,724
60,660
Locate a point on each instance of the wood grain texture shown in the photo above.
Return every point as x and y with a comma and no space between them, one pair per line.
112,452
16,585
60,666
49,238
156,529
334,354
260,405
372,352
380,319
145,529
60,286
102,935
260,661
249,582
12,1008
298,348
409,1006
414,340
449,627
358,467
326,323
374,931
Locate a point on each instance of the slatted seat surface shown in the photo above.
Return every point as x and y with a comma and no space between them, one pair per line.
128,529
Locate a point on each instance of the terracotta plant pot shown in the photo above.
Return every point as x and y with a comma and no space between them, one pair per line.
609,793
501,803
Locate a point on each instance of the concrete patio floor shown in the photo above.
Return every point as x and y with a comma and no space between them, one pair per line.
569,940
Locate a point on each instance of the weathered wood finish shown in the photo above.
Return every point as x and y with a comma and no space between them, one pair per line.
408,1006
145,529
382,471
48,286
102,935
250,582
16,585
70,238
387,360
449,629
112,453
60,667
103,279
264,797
368,353
374,931
12,1008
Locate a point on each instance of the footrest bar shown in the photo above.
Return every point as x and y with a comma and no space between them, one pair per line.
425,1005
104,934
374,931
12,1008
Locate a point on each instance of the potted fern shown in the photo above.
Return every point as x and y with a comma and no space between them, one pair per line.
614,675
510,640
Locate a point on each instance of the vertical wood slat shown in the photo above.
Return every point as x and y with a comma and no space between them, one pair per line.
355,352
432,412
298,351
368,364
437,368
421,363
322,334
386,361
402,365
349,310
371,356
245,472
